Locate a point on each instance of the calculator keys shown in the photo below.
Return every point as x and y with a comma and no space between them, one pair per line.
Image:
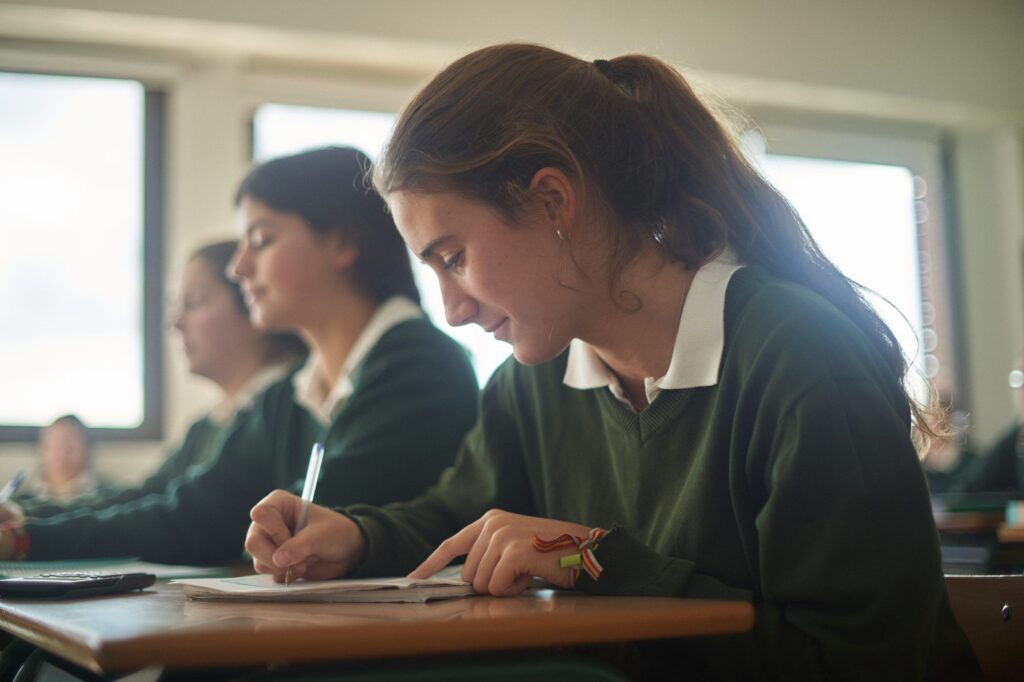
75,576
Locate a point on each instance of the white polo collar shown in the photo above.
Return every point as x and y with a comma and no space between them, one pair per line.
227,408
700,340
309,382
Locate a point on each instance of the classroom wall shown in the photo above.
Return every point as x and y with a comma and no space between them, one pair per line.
941,63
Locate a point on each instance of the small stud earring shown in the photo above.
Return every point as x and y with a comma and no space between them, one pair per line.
561,235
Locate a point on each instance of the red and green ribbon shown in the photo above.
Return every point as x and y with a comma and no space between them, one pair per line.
583,558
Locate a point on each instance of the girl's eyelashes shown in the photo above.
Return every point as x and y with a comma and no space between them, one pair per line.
258,239
452,262
192,302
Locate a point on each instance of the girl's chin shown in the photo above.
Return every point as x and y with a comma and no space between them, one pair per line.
527,355
263,318
266,320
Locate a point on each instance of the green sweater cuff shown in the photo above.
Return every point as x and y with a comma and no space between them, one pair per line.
366,566
632,568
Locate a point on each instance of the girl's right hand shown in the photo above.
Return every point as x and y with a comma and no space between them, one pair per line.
328,547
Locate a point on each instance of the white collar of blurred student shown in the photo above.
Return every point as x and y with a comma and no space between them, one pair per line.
227,408
699,341
308,381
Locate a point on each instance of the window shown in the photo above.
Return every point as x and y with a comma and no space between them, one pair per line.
285,129
872,204
80,271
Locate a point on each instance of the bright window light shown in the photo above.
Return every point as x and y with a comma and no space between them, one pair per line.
280,129
71,250
285,129
862,216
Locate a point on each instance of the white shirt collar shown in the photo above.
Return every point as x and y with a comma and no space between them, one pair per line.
226,409
700,340
309,381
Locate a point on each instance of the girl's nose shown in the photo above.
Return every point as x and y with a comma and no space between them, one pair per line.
239,266
459,309
177,319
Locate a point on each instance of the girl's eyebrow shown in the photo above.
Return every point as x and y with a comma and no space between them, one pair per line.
258,223
427,252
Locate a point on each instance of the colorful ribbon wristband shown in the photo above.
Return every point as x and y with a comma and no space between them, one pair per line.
584,559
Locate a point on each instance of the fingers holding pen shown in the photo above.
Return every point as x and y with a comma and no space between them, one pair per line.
275,515
270,528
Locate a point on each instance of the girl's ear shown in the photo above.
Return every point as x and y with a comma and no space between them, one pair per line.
558,196
342,252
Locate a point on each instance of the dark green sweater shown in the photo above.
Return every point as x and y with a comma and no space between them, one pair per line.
792,483
200,447
414,398
999,469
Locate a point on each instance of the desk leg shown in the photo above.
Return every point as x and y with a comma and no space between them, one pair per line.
13,658
44,667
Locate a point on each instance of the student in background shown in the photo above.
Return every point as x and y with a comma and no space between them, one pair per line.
1000,467
221,344
703,405
65,472
389,395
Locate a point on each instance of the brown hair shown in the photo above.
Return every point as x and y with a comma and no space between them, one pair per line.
642,145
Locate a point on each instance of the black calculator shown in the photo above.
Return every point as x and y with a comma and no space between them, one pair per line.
73,585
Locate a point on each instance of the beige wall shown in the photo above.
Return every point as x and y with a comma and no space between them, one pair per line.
944,63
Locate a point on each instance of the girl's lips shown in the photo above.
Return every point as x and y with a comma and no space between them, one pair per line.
500,329
251,296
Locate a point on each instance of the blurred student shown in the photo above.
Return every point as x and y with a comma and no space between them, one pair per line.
221,344
65,472
388,394
999,468
705,406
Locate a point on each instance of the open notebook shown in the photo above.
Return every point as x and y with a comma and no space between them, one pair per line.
445,585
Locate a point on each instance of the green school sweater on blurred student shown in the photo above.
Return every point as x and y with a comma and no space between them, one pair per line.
788,479
1000,469
411,400
202,443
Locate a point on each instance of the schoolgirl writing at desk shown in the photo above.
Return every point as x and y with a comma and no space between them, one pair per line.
388,394
703,406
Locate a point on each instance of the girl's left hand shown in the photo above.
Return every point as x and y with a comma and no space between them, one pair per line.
500,557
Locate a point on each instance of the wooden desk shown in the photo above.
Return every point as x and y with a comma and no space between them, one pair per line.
967,522
1010,534
160,627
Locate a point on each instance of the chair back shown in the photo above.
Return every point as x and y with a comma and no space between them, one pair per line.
990,609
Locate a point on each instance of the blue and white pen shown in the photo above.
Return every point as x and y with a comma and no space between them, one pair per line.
12,486
316,458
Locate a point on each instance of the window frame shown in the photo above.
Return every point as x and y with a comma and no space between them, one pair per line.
153,215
